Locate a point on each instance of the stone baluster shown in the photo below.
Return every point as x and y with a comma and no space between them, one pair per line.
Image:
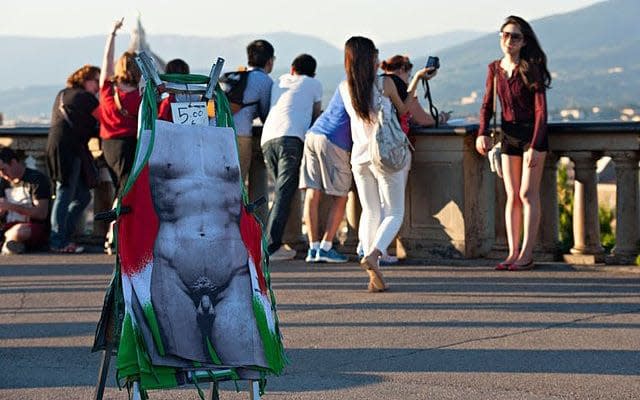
352,214
627,231
586,227
293,231
547,246
258,181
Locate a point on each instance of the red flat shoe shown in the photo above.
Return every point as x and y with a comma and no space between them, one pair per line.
502,266
522,267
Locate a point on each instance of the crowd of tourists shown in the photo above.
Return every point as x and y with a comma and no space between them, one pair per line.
325,153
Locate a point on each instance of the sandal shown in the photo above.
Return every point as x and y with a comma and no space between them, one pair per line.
522,267
503,266
71,248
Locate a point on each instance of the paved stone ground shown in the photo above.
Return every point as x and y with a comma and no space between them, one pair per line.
454,330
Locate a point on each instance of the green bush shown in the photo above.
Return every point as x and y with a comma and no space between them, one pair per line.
565,210
607,236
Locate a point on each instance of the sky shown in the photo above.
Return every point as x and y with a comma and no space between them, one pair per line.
331,20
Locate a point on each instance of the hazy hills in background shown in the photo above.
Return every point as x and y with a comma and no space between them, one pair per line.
594,56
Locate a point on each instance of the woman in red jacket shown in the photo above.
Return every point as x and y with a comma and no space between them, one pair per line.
521,78
119,102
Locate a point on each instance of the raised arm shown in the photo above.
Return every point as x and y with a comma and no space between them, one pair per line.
391,91
107,59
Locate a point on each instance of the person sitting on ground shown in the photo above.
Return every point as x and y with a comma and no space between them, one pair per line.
326,170
295,104
24,202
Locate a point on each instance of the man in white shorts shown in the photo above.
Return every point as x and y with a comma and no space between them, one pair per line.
326,169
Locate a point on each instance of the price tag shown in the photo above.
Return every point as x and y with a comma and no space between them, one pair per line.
193,113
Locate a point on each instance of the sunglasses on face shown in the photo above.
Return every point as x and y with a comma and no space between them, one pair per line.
514,36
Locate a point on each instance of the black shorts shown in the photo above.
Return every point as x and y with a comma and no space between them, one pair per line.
516,138
119,154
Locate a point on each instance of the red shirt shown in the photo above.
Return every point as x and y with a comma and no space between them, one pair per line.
116,123
164,108
519,104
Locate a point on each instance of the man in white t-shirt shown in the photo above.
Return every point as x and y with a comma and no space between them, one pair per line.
295,104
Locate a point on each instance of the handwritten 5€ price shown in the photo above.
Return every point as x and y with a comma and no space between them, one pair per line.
194,113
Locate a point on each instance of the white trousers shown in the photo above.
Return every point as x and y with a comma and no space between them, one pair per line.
381,196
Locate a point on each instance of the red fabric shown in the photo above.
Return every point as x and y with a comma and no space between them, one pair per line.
251,234
164,109
518,103
138,229
113,124
404,122
39,233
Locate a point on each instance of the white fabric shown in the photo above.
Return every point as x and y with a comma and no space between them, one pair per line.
361,131
17,195
292,99
381,195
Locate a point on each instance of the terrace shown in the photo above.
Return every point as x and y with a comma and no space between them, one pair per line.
454,203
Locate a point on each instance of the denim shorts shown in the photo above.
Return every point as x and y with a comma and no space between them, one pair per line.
516,138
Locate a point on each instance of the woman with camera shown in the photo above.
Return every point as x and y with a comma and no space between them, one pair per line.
521,78
381,193
398,69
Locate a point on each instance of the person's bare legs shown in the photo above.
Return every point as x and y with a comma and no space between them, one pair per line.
512,175
336,214
311,204
530,197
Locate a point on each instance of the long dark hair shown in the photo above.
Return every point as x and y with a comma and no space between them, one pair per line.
359,63
533,61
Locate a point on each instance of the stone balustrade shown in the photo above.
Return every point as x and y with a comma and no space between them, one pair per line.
454,204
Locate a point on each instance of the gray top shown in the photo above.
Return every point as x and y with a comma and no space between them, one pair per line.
258,89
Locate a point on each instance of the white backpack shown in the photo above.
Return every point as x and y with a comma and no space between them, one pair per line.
389,147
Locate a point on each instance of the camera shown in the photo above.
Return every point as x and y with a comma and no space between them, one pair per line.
433,62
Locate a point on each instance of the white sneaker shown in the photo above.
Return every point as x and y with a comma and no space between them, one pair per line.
12,247
386,259
283,253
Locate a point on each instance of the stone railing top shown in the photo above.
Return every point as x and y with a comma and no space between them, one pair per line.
445,130
24,131
596,128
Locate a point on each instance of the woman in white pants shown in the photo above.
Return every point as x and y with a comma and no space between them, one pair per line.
381,193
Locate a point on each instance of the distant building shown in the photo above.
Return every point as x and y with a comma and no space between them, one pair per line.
471,99
139,43
571,113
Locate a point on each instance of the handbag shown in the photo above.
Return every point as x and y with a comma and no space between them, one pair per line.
389,147
495,154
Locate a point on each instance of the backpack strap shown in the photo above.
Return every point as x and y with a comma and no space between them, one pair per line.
116,97
63,110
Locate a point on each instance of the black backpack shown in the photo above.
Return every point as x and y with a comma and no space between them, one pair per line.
234,84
